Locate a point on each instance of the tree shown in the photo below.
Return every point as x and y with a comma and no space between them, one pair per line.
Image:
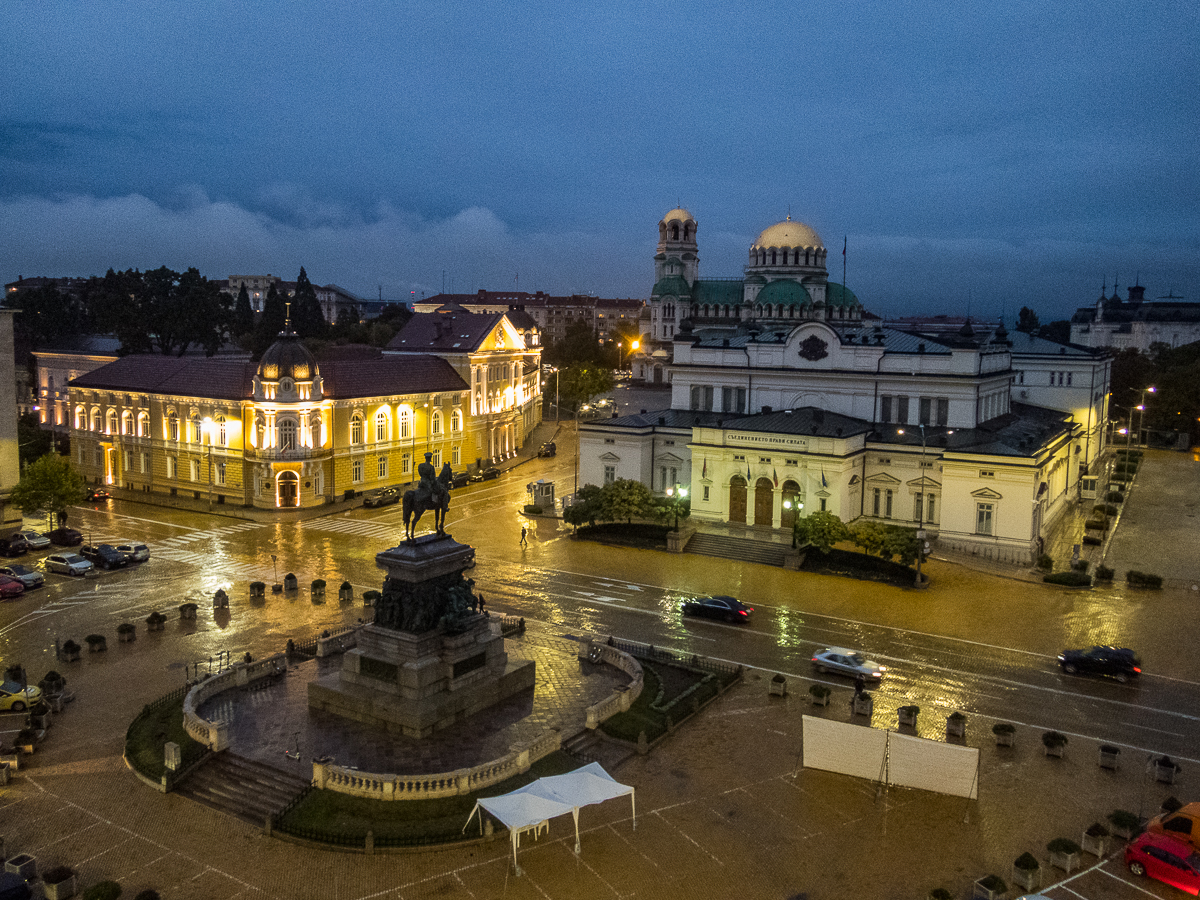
672,508
625,499
579,347
579,384
46,316
243,313
271,322
1058,331
1027,321
821,529
32,440
307,317
49,485
586,508
886,541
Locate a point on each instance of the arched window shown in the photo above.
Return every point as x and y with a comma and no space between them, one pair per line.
405,423
356,428
172,427
436,422
80,418
143,424
95,420
315,432
674,232
112,421
456,420
197,430
222,435
381,426
287,434
127,422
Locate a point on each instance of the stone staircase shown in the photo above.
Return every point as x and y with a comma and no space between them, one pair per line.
590,746
767,553
242,787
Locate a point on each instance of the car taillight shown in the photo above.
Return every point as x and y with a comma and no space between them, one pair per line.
743,612
1137,669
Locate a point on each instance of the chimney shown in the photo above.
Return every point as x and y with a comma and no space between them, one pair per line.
766,410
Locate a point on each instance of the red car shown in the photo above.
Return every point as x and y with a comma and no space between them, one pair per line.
10,587
1165,859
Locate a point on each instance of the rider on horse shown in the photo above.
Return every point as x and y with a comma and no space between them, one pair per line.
431,493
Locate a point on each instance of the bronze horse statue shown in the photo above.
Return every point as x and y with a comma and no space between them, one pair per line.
430,494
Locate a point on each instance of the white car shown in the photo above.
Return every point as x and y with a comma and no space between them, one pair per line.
68,564
36,540
847,662
134,552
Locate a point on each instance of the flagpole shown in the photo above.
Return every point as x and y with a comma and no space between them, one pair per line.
845,287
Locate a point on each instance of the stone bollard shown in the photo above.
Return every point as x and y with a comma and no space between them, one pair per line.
643,744
370,843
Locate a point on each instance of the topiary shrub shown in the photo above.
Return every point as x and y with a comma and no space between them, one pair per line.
1027,862
1114,497
1054,739
1079,565
1104,573
1063,845
147,895
940,894
105,890
1045,563
532,509
1003,728
1069,579
1143,579
1091,540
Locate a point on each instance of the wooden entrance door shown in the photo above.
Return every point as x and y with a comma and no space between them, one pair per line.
737,500
764,503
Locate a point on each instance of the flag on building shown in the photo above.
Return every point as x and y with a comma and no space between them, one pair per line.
704,472
775,473
824,483
748,470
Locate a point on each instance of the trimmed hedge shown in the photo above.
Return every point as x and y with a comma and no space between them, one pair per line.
1069,579
1104,573
1143,579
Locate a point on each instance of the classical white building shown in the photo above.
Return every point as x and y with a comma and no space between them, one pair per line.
1137,323
786,398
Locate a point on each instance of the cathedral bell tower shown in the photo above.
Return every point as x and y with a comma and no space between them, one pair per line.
676,254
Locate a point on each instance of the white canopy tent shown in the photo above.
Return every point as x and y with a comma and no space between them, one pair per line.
530,808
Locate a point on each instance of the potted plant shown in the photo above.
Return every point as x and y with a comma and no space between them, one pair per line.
1095,839
1109,756
862,705
1005,733
60,883
819,694
1054,742
956,725
155,621
220,599
25,740
777,687
258,590
346,592
1064,854
23,865
370,597
908,715
70,651
940,894
1171,804
96,643
104,890
126,632
1027,872
1165,769
1125,824
39,715
187,610
317,589
290,583
989,887
1104,573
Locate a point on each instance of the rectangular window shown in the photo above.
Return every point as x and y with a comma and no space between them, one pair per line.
917,501
195,470
702,397
437,459
733,399
356,471
610,474
383,467
1060,379
887,514
983,518
706,493
219,473
823,504
172,467
100,456
943,410
875,508
145,463
456,456
127,460
405,464
885,409
986,473
1051,379
932,517
926,411
1069,379
901,410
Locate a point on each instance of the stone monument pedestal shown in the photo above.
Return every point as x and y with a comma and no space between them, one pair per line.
426,661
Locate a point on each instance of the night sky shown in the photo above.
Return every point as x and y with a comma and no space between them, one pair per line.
984,155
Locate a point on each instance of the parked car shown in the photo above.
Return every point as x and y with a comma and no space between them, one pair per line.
847,662
1120,663
36,540
1165,859
134,553
105,556
730,609
10,587
385,497
547,449
1183,824
15,545
68,564
66,537
97,494
486,474
31,578
460,479
16,698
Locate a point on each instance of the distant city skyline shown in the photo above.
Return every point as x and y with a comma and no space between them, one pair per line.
975,159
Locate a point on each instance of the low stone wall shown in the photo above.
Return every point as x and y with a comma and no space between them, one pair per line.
374,786
338,641
621,699
215,735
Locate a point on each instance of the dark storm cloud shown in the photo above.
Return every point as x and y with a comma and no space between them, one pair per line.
998,154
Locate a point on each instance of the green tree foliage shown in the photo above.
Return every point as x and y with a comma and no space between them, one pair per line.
579,346
879,539
671,509
307,318
272,321
626,499
32,440
46,316
1027,321
49,485
1132,370
587,507
822,530
579,384
1058,331
243,313
161,311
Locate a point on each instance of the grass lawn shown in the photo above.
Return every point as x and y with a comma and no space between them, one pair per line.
149,733
663,683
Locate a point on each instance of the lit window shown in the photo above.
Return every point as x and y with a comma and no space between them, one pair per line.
356,471
983,518
436,425
383,467
287,434
381,426
356,429
405,424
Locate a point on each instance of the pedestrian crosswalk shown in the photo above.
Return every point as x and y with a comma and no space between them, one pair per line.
208,534
235,571
358,528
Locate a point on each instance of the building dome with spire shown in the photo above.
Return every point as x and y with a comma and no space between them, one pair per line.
788,234
287,372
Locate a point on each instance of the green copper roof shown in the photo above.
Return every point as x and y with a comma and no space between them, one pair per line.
726,292
787,293
672,285
838,295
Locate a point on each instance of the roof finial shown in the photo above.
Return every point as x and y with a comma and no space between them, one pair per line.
287,317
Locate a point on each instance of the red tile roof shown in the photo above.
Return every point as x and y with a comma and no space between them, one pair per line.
186,376
389,375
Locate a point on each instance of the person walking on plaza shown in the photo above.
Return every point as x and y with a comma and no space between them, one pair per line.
859,684
524,541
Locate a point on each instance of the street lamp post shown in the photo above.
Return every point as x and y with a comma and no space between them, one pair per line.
1142,408
677,494
208,426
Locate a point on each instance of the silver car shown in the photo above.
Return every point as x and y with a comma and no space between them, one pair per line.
31,578
847,662
36,540
134,552
68,564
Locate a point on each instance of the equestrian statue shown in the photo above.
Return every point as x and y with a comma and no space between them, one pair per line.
432,492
